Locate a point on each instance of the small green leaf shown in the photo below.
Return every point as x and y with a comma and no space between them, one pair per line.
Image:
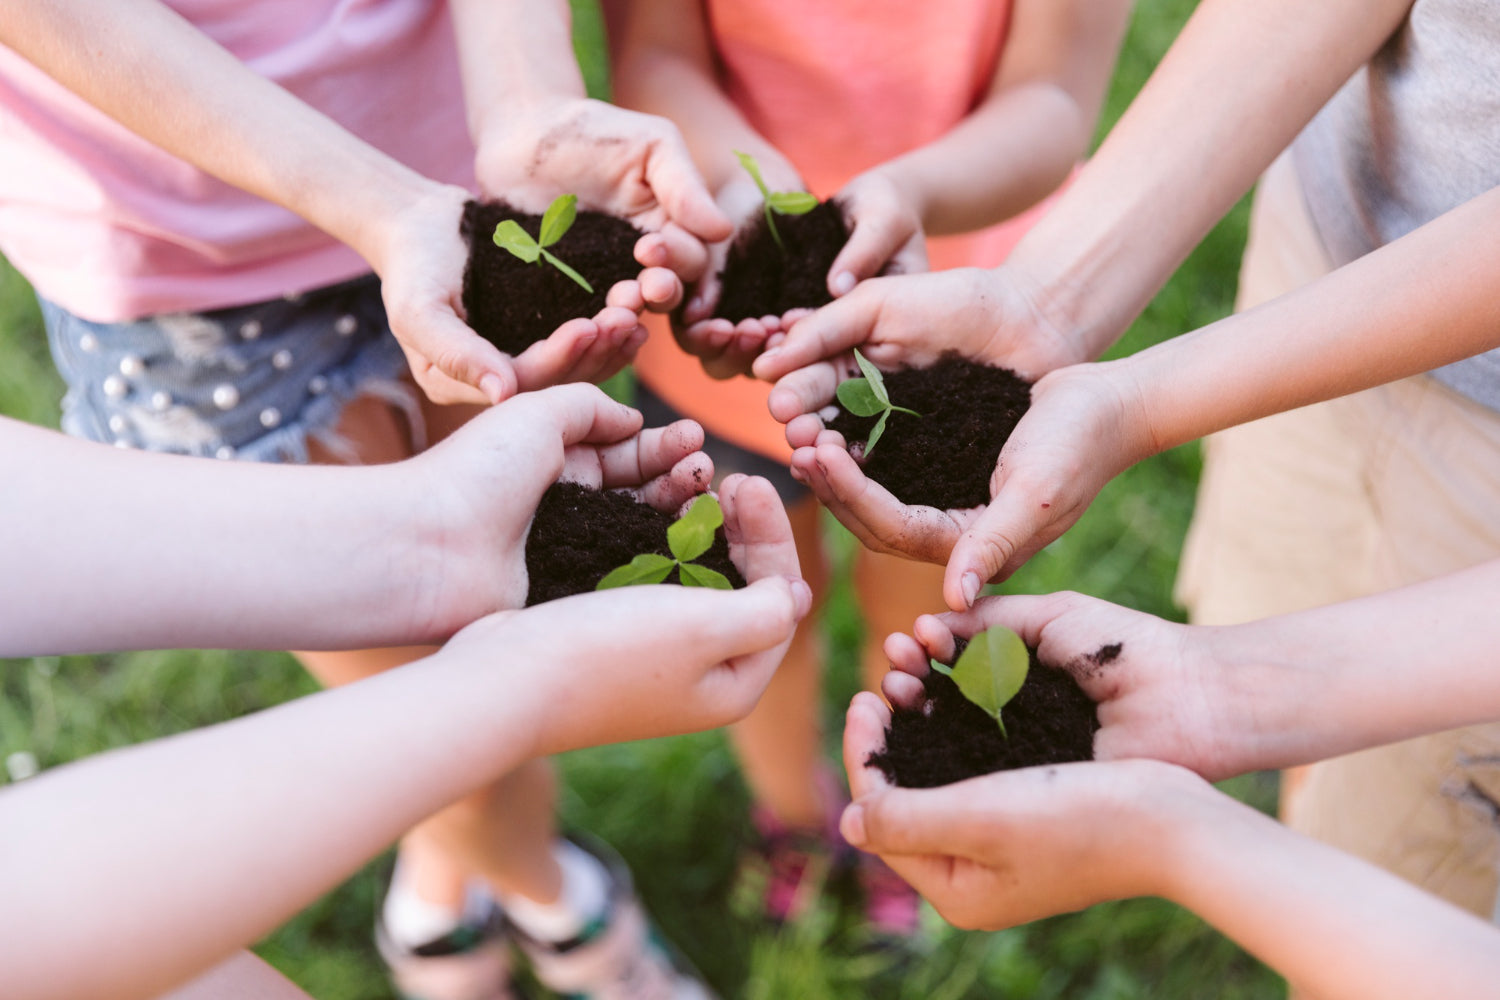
940,667
694,575
876,432
645,568
858,398
992,669
510,236
753,169
565,269
691,534
792,202
558,218
875,377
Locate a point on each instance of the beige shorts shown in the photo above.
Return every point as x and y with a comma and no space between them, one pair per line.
1357,495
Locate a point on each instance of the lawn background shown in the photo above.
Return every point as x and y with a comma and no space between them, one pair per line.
676,808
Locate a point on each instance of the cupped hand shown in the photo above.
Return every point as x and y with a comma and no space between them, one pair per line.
470,500
1177,693
1011,847
638,662
885,235
726,348
1084,426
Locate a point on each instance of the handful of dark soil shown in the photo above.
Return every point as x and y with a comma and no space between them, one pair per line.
762,279
579,534
945,457
513,304
1050,721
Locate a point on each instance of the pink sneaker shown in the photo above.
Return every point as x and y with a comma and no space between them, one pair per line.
892,907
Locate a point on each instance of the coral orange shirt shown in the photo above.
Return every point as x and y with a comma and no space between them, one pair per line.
839,86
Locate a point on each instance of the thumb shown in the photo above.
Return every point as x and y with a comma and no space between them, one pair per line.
918,821
584,414
842,324
741,622
1011,521
447,344
680,189
874,240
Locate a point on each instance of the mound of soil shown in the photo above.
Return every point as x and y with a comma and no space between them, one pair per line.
513,304
580,534
762,279
944,458
1049,721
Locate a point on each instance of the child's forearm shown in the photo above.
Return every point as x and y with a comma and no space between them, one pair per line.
1421,302
511,53
319,557
243,977
1235,88
1362,673
665,67
1031,129
159,861
145,66
1333,925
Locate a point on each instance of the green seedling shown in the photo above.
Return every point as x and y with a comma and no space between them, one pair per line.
556,222
777,202
990,671
865,397
688,537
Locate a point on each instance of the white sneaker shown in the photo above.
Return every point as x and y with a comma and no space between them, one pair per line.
619,956
471,962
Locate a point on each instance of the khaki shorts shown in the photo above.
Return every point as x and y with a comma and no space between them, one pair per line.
1357,495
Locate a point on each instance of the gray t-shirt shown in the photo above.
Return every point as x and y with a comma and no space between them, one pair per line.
1413,134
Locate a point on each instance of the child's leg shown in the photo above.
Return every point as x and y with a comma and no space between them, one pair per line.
780,744
893,592
502,833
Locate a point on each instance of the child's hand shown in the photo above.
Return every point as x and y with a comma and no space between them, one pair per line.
638,662
1081,430
421,282
727,348
886,234
1176,693
468,502
625,163
1012,847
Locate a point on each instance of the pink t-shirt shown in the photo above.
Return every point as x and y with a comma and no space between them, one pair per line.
840,86
112,228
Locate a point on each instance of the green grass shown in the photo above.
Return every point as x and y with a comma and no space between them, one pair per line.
676,809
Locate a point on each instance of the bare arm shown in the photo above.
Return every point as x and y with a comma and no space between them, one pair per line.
1033,126
1238,84
161,860
1011,847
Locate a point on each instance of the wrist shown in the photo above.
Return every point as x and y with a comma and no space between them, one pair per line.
401,213
1191,822
1072,288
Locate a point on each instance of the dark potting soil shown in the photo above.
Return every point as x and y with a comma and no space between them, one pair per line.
513,304
580,534
945,457
1049,721
761,279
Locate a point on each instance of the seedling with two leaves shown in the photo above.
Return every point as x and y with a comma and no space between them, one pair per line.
990,670
556,222
777,202
688,537
867,396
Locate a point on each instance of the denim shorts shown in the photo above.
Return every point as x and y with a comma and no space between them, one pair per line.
253,382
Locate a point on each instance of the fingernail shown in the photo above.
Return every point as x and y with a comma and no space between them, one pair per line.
802,596
852,824
971,585
491,387
843,283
